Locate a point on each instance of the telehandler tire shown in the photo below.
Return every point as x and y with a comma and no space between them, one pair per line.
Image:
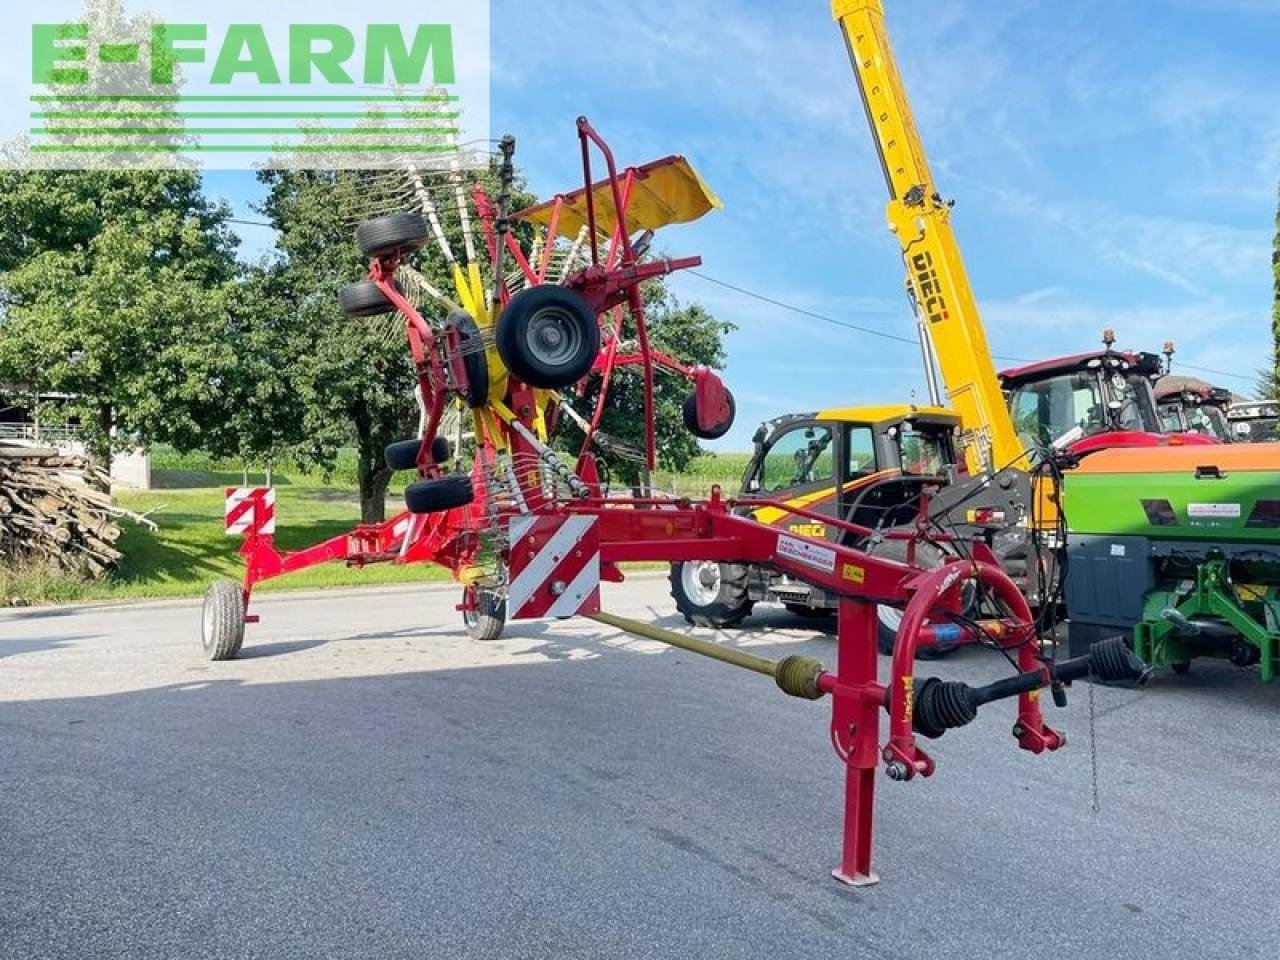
710,594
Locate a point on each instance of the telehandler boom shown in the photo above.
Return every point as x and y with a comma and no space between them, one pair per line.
921,220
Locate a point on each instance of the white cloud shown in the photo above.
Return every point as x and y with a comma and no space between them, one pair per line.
1207,333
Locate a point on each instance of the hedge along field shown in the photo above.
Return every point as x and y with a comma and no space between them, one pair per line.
191,549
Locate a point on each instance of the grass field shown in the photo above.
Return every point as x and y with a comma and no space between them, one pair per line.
190,549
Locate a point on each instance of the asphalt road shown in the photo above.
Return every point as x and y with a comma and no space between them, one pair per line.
366,782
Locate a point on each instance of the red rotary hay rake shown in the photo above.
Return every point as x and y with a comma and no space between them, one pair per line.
528,537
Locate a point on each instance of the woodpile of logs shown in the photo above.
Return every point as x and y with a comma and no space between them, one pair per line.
55,510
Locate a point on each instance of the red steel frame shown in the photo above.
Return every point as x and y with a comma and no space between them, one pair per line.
653,529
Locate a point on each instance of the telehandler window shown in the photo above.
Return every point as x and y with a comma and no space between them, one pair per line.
797,458
924,452
860,443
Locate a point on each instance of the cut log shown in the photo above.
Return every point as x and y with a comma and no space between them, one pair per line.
53,511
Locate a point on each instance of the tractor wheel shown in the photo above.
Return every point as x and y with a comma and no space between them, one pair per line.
486,622
394,233
364,299
441,493
710,594
403,454
548,337
690,411
222,620
473,358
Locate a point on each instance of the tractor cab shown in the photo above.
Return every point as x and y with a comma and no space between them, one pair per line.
1089,401
1187,405
1254,421
863,464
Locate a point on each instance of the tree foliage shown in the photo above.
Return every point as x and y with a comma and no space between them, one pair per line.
1275,310
116,289
688,333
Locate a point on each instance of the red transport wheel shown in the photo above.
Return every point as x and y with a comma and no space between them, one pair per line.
690,413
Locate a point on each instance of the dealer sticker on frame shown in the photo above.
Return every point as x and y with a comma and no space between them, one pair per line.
1216,511
810,554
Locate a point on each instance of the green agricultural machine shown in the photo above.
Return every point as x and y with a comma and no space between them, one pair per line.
1187,559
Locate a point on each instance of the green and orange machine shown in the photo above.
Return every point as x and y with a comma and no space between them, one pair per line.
1187,559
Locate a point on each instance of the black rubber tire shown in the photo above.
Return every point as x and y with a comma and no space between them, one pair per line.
364,299
440,493
393,233
403,454
486,624
473,358
731,606
690,412
528,311
222,620
808,612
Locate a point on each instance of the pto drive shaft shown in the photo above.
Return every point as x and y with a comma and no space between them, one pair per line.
942,705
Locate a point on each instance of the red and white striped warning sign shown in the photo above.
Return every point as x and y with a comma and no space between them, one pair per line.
250,510
555,567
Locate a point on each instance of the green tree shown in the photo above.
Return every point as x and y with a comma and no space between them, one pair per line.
262,413
114,290
1275,310
693,336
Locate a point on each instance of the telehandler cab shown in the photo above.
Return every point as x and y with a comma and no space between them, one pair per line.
871,466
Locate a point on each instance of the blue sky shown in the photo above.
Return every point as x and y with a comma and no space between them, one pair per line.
1114,164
